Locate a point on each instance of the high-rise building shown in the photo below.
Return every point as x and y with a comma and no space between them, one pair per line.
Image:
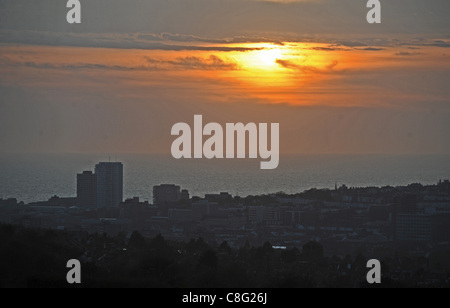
87,189
109,184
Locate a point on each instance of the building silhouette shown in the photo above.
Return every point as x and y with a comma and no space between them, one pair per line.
184,195
413,227
87,189
109,184
166,194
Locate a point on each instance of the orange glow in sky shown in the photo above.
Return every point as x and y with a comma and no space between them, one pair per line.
291,73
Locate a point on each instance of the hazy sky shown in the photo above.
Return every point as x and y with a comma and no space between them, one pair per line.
120,80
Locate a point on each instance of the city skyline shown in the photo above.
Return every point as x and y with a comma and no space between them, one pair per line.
104,188
38,177
320,233
409,215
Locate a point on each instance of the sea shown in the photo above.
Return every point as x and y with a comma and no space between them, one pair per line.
38,177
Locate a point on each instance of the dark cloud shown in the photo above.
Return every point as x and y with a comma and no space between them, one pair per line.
332,65
327,48
194,38
437,43
371,48
225,21
196,63
119,41
180,42
351,43
213,62
306,68
73,66
406,53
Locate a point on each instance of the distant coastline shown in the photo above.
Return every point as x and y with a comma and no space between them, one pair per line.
37,177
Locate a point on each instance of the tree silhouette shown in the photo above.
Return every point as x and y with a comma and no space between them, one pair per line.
224,247
136,241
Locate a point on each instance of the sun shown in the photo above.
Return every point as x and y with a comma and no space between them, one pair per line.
262,57
269,56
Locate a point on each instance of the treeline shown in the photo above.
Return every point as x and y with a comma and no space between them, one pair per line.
37,258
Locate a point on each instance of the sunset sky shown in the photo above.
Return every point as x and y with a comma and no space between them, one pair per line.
120,80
